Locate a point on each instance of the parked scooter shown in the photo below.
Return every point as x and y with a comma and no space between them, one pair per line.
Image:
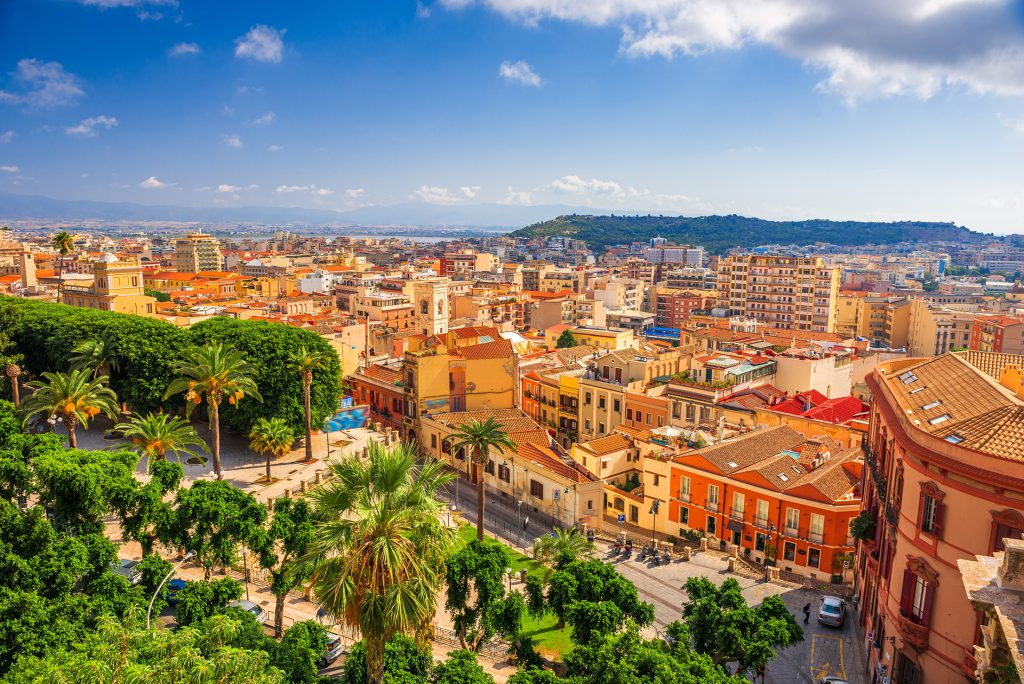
666,558
629,548
617,546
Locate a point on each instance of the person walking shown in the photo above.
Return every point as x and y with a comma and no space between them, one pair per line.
807,614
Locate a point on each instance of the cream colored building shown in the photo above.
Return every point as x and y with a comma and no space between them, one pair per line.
792,293
197,252
830,375
117,286
934,330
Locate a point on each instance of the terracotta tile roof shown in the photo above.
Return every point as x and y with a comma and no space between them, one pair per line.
749,449
608,444
475,331
635,433
544,457
834,478
388,375
511,420
499,349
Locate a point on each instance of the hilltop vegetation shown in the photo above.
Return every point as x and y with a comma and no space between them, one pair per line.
720,233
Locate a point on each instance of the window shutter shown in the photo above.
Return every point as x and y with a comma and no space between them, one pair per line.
907,595
929,596
940,518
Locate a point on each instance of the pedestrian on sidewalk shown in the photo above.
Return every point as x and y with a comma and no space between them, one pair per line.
807,614
760,673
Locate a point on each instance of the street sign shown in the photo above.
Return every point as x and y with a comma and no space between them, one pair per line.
846,565
622,517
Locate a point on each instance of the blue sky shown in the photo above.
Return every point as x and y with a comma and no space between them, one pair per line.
780,108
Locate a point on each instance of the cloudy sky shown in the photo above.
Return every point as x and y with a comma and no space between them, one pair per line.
875,109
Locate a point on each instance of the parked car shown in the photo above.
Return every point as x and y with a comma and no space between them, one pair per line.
129,569
832,611
255,609
834,680
173,587
335,648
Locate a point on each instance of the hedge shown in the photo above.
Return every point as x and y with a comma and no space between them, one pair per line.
44,334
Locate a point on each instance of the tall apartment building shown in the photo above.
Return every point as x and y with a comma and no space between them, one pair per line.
935,329
793,293
998,333
197,252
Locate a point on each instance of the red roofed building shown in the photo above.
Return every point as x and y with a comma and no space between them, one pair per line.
1003,334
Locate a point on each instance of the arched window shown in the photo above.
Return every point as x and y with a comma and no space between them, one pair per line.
1006,524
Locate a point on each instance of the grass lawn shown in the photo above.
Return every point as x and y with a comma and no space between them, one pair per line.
548,639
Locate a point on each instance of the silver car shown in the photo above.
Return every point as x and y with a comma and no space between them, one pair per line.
255,609
129,569
335,649
832,611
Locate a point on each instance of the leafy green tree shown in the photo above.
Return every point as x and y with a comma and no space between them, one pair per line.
305,361
125,652
566,340
460,667
563,546
478,438
476,592
407,662
154,434
152,570
535,595
146,513
156,294
72,398
596,582
97,354
535,675
377,560
214,519
590,620
212,374
64,244
300,649
198,600
271,437
722,626
288,538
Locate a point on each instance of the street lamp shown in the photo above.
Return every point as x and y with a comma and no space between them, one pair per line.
508,572
767,548
149,611
654,521
519,514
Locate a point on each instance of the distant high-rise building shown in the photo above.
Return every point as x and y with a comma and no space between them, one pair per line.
793,293
197,252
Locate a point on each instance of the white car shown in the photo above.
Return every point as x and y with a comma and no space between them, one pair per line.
335,648
832,611
254,609
129,569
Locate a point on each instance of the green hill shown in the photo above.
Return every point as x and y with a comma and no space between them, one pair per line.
720,233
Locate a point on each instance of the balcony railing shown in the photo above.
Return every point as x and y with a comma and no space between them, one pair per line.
736,514
761,522
710,505
913,633
969,666
684,497
815,537
791,531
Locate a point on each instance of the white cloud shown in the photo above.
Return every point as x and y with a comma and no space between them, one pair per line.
265,120
422,11
87,127
868,49
261,44
6,137
232,140
108,4
323,192
224,187
1014,124
152,183
227,110
354,193
274,148
519,72
606,194
250,90
519,197
311,189
182,49
437,195
43,85
10,168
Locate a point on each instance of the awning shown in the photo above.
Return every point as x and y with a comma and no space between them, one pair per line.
734,526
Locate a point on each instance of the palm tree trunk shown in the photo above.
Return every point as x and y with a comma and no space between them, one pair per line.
374,659
60,276
479,472
15,392
279,615
307,383
72,439
268,467
215,433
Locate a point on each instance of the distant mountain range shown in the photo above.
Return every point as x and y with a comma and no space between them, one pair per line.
14,206
720,233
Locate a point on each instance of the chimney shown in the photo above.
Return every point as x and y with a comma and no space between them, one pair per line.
1011,572
721,429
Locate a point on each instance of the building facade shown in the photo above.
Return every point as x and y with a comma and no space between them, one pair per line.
791,293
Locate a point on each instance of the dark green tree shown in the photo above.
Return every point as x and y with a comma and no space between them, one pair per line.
301,647
460,667
566,340
201,599
147,514
476,592
407,662
288,538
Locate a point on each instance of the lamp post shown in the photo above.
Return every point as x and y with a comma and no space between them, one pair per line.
508,572
149,611
654,521
519,513
767,548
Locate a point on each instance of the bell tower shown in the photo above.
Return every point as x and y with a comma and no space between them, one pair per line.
430,297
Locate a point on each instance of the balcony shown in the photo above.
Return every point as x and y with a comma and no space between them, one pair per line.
736,514
969,666
815,537
761,522
914,634
711,505
791,532
684,497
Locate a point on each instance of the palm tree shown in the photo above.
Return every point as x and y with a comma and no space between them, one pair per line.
211,374
378,555
64,243
479,438
562,544
13,372
305,361
155,434
271,437
97,353
71,398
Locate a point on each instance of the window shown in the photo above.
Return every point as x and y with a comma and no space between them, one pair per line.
489,468
634,514
657,479
586,422
504,473
762,512
759,542
789,551
676,411
600,402
684,488
813,558
684,515
939,419
737,503
690,411
648,418
536,489
792,519
928,515
1006,524
586,398
629,414
600,428
616,405
918,592
711,525
931,510
713,494
817,527
433,441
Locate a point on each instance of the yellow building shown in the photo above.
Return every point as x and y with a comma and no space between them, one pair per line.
602,338
197,252
117,286
792,293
